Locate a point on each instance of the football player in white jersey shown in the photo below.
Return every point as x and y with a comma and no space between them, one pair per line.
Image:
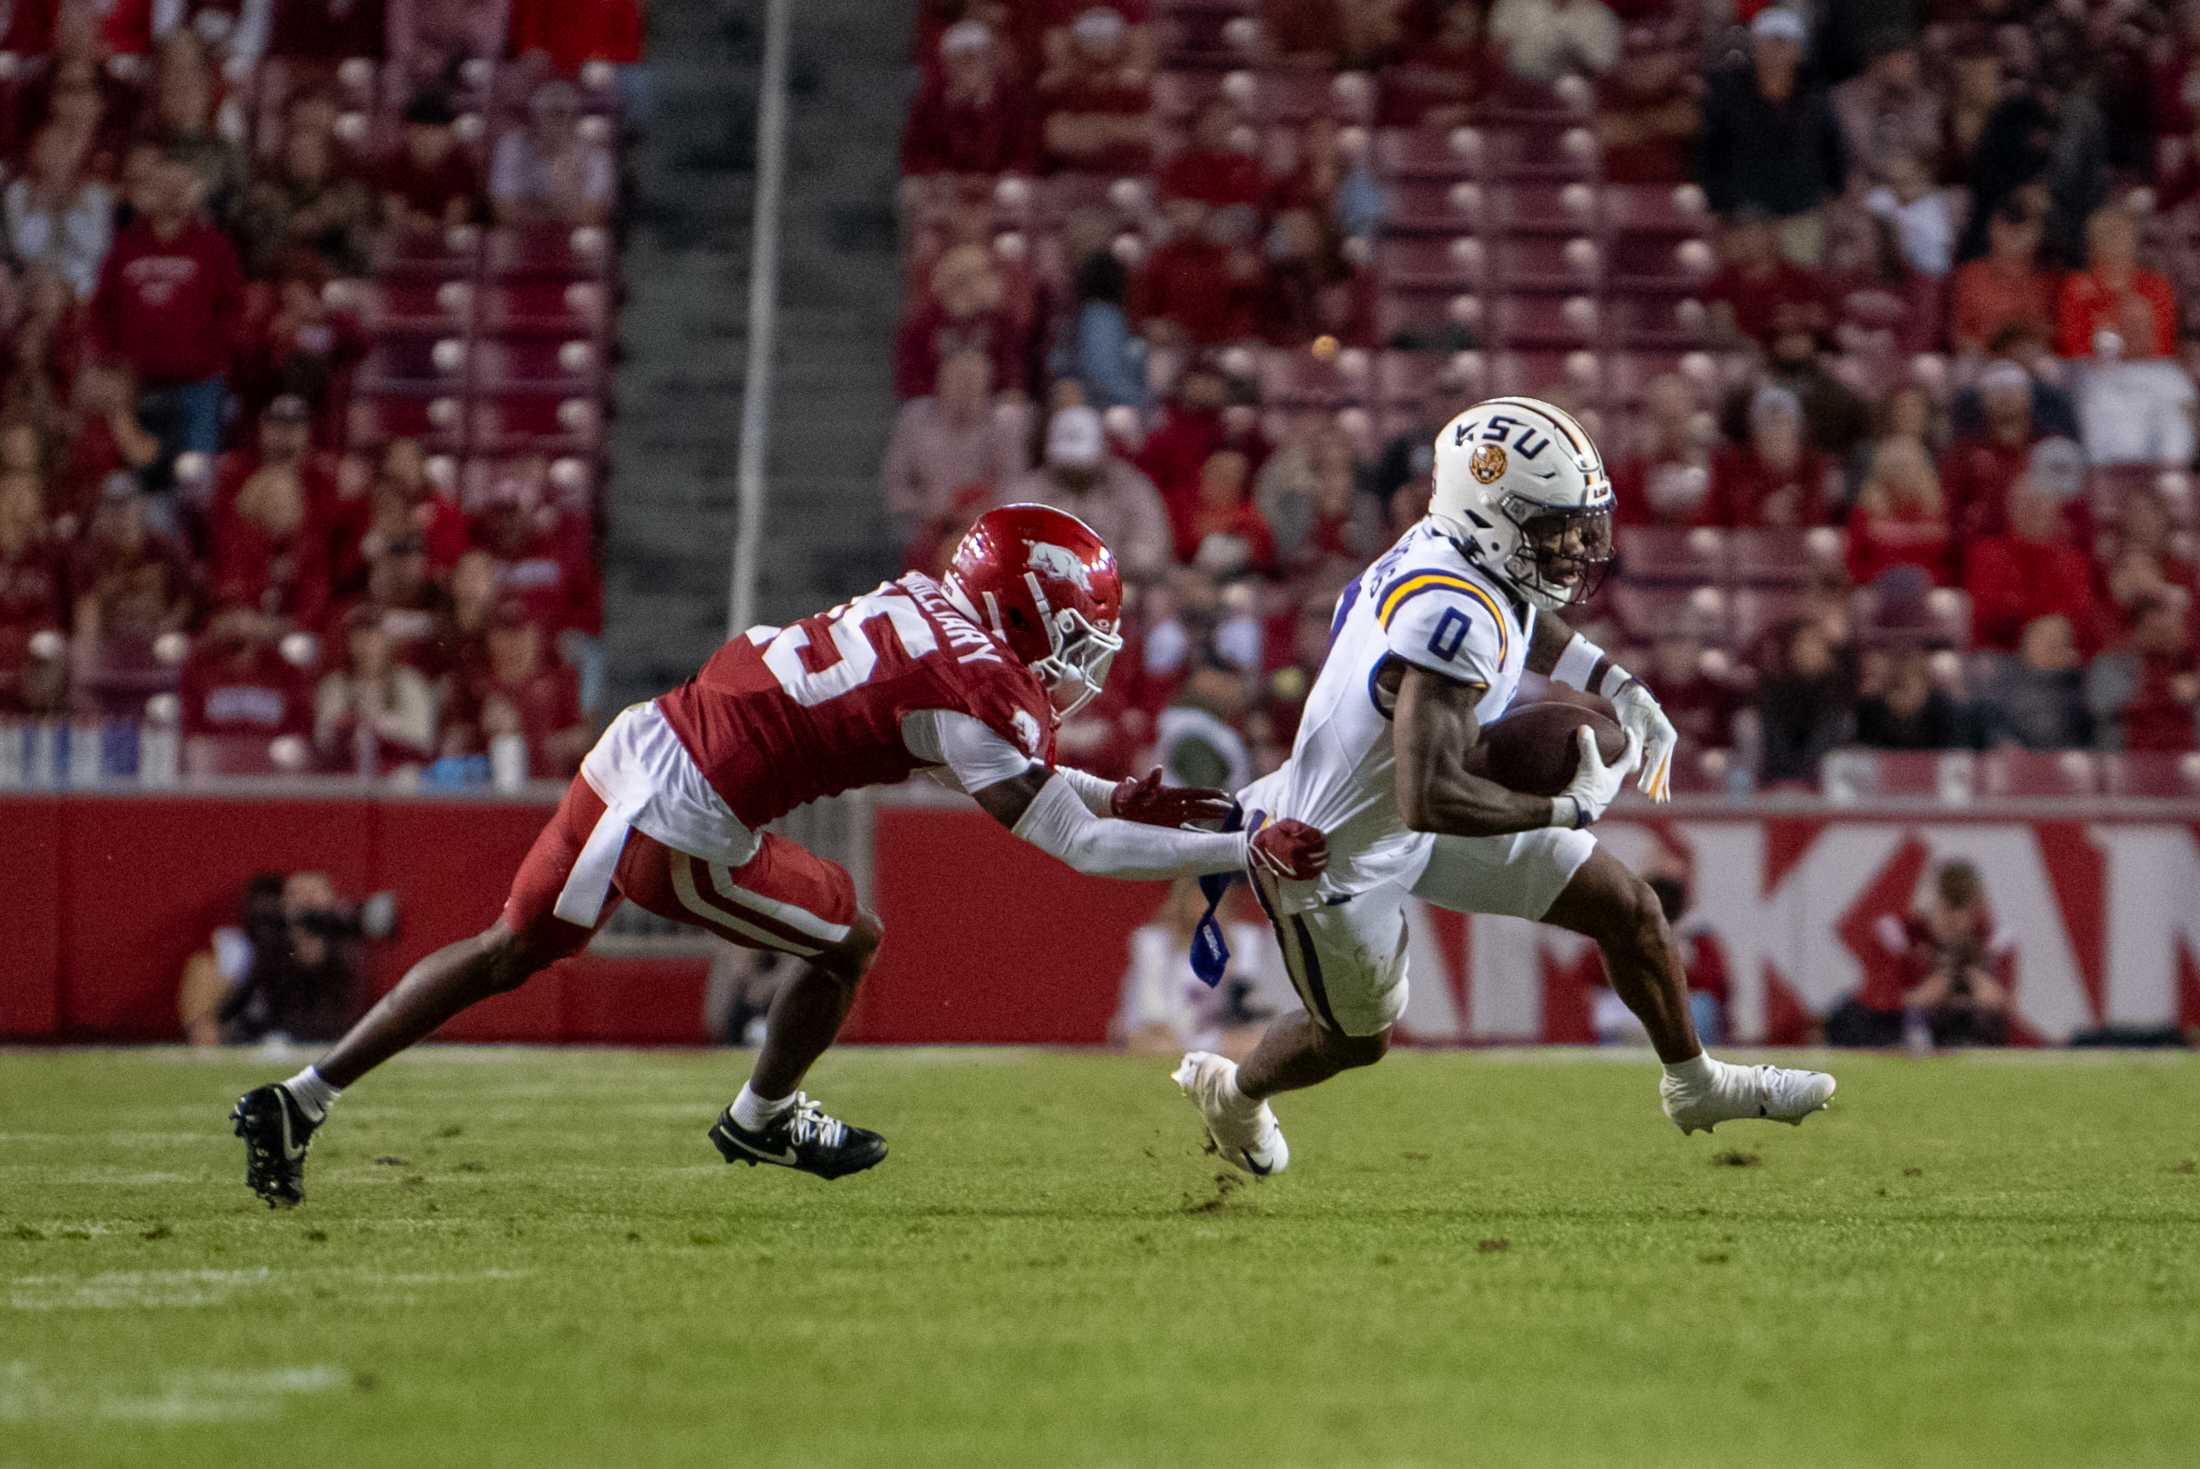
1427,647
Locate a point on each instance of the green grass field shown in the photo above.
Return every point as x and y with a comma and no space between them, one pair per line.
530,1258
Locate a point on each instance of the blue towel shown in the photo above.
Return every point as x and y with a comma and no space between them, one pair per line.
1210,950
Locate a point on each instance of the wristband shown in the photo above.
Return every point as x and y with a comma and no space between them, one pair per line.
1614,682
1096,791
1577,665
1566,813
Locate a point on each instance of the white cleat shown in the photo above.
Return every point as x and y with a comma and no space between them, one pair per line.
1244,1133
1774,1093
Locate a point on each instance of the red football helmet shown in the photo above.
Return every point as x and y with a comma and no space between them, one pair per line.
1045,583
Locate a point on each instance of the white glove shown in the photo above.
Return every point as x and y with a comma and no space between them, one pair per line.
1595,784
1641,717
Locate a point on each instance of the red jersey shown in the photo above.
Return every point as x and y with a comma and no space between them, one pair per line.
782,716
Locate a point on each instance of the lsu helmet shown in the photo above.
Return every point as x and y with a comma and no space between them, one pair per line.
1519,481
1043,582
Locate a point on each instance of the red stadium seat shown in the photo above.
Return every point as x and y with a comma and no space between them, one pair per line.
416,307
2152,775
536,423
1429,153
1644,210
1545,262
1458,264
426,366
1782,556
1689,556
1544,320
1645,610
1947,777
547,252
2017,773
440,255
438,423
545,309
537,365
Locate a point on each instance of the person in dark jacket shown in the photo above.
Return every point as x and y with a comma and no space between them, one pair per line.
1771,140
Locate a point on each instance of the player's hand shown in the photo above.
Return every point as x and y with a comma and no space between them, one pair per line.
1144,799
1595,784
1641,717
1290,851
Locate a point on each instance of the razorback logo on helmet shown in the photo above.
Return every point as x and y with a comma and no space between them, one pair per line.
1059,561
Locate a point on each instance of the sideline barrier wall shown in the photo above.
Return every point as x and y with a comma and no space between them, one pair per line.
104,896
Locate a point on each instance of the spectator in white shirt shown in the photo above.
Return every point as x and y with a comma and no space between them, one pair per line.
547,172
57,217
1543,40
1924,217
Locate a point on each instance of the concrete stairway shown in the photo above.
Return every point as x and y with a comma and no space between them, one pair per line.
684,328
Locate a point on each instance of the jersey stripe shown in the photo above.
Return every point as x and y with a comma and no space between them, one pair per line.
1415,583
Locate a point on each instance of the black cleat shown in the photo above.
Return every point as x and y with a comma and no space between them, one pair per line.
276,1134
802,1138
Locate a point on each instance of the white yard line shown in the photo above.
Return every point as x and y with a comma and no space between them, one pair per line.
132,1290
192,1396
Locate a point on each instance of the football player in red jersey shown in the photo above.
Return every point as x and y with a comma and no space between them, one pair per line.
965,679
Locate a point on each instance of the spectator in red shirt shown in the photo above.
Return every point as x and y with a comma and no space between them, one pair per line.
1705,695
284,440
1648,115
270,550
103,437
428,182
405,501
970,118
1221,530
33,609
2141,566
305,348
328,30
546,557
963,313
519,691
1203,286
132,583
170,296
412,611
2114,307
1442,81
1665,478
2030,571
1199,420
2148,691
237,684
1901,518
1217,167
1758,294
2006,286
1095,103
1979,469
1948,968
569,32
1776,478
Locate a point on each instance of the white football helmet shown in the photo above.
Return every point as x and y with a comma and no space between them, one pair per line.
1519,481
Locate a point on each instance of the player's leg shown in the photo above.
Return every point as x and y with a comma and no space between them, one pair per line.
1563,878
1606,902
789,899
1348,963
277,1121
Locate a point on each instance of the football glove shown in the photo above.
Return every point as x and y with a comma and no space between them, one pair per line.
1290,851
1595,783
1144,799
1640,715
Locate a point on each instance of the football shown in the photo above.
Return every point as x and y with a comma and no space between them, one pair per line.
1532,748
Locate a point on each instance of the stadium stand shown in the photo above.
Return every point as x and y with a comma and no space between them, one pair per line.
312,308
1899,400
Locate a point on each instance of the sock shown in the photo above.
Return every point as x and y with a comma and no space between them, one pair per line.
313,1095
755,1113
1698,1070
1234,1099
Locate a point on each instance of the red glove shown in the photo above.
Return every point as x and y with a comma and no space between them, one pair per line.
1289,850
1146,800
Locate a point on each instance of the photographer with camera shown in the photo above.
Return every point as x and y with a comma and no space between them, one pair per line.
293,969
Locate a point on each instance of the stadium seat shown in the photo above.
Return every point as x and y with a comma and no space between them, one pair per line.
1544,320
2015,773
536,422
2153,775
418,365
1641,211
1948,777
532,365
551,252
1758,610
1688,556
1645,610
1782,556
438,423
1429,153
565,309
428,308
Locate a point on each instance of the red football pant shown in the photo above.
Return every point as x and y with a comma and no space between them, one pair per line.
786,897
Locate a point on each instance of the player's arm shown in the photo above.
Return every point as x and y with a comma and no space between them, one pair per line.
1564,656
1433,730
1043,807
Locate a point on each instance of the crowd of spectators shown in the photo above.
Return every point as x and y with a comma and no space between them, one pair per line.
1931,338
189,526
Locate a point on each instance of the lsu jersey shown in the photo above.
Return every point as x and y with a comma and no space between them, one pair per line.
1425,602
784,715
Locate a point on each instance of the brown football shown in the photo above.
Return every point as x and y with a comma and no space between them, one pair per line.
1532,748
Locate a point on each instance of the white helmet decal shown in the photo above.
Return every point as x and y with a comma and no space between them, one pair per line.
1059,561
